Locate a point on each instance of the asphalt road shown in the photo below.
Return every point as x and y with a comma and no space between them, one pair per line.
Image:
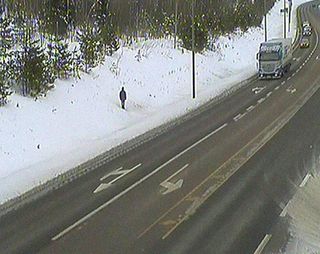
216,183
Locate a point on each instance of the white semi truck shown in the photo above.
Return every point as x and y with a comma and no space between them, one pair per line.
274,58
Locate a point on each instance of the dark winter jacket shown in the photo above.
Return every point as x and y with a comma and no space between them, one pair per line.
123,95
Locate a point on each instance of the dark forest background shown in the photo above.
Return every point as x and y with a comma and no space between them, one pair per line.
35,34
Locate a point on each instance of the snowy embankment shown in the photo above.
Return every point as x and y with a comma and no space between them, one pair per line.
81,119
303,210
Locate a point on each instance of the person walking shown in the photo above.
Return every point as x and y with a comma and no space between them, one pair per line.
123,97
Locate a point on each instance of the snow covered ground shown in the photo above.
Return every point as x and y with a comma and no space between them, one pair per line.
81,119
305,219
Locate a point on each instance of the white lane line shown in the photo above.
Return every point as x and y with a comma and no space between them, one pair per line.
261,100
176,173
277,88
249,109
285,210
239,116
263,244
303,183
288,78
305,180
121,194
269,94
283,82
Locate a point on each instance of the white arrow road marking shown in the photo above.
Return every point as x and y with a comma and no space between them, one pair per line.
297,59
169,186
121,194
116,172
101,187
257,90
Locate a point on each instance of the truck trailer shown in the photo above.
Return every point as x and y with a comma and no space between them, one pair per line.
274,58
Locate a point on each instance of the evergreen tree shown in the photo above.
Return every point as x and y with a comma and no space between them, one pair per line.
103,20
201,33
33,70
5,90
5,36
91,49
64,61
5,46
244,15
60,58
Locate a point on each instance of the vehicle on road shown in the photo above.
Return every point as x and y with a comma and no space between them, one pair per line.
307,31
304,42
305,23
274,58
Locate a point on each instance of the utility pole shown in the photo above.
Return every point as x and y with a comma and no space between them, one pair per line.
193,54
284,19
176,25
265,21
290,9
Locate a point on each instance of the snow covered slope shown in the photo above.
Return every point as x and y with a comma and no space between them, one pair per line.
305,219
81,119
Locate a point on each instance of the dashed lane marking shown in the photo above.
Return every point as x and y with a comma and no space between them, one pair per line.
285,210
305,180
239,116
263,244
261,100
250,108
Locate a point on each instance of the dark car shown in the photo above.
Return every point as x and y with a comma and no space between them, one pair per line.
304,43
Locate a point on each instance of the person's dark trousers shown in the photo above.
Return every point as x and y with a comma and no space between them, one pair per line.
122,104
